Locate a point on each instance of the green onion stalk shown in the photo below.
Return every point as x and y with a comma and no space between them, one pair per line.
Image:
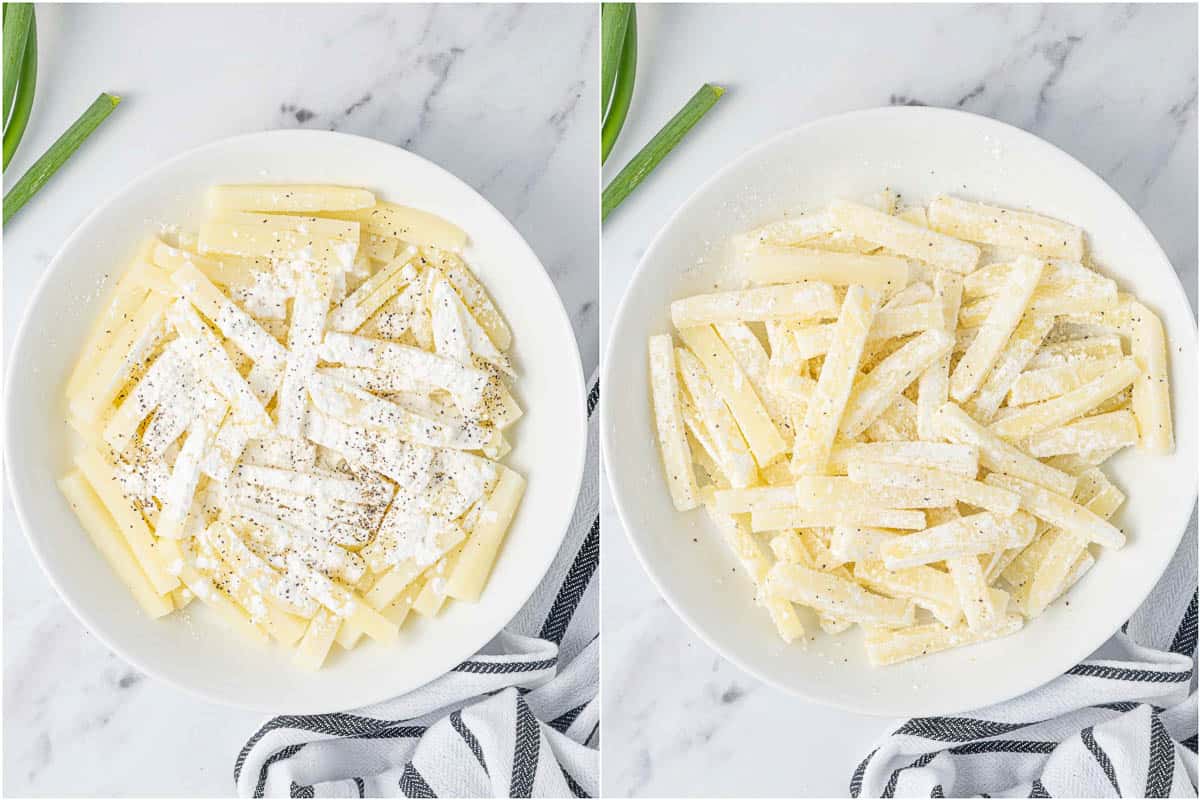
658,147
20,65
62,149
622,92
26,83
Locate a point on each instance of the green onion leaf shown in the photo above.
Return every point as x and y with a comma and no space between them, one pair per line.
657,148
16,33
622,92
62,149
614,18
23,106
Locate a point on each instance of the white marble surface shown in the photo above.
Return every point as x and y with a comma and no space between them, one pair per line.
503,96
1114,86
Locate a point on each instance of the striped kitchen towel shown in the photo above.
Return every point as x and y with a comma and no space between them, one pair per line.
518,719
1120,726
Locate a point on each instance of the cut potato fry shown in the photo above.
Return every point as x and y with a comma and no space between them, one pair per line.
933,388
752,559
1059,273
904,238
1037,385
470,575
1113,430
814,439
910,295
129,347
959,458
124,300
1016,230
1094,296
819,492
874,391
972,535
859,544
955,425
768,264
289,197
1060,511
1151,391
775,519
735,389
1107,346
1038,417
318,639
1025,341
1058,557
103,530
885,647
967,490
376,290
130,523
668,418
926,587
733,454
412,225
996,330
807,300
983,607
836,596
892,323
753,360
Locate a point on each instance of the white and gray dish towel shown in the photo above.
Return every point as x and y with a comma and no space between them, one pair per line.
518,719
1121,724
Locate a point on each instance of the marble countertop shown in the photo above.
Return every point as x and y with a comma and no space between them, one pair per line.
1115,86
476,89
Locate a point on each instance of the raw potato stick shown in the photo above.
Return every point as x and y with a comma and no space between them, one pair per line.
766,264
734,454
1038,417
933,389
1033,386
886,647
1113,430
874,391
955,425
905,238
738,393
1018,230
836,596
668,417
1012,360
1060,511
996,330
980,533
814,439
1151,391
808,300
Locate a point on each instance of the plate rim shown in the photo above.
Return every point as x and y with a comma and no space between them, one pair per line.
575,375
618,321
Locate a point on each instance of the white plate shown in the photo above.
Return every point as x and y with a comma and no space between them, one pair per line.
918,152
192,650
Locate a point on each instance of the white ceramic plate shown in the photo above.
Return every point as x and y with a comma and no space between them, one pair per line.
918,152
191,649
